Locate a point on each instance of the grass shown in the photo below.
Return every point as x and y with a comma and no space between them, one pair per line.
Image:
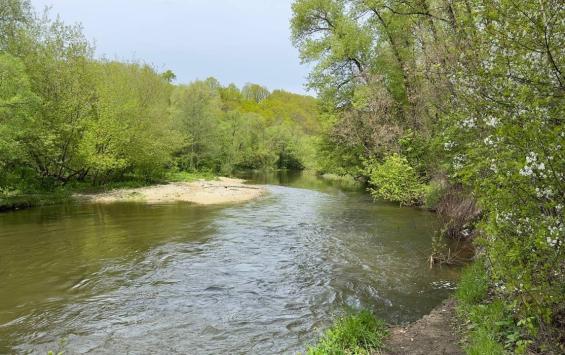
482,343
183,176
357,334
489,323
473,286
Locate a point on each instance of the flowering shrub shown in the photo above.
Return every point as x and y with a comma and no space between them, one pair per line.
510,138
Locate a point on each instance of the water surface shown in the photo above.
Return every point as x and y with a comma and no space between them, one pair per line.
261,277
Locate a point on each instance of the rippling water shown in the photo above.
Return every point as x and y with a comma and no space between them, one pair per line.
263,277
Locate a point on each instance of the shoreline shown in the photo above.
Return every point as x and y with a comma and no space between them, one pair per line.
435,333
202,192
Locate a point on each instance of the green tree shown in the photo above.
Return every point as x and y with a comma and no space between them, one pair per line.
132,131
18,109
15,17
169,76
196,111
255,92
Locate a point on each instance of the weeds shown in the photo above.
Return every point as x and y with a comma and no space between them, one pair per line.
491,327
357,334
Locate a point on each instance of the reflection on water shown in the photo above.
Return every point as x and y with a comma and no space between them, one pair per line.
263,277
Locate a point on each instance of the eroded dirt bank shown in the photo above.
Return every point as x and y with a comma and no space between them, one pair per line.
223,190
435,333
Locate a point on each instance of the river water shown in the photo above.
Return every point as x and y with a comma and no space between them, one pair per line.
263,277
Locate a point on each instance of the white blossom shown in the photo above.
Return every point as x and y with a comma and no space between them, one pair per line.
526,171
468,123
552,242
448,145
491,121
531,157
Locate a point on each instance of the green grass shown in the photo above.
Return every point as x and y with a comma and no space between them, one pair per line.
183,176
488,322
357,334
483,343
473,285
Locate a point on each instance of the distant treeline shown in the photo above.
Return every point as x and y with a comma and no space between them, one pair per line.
65,116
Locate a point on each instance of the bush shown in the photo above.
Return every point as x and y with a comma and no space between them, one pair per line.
395,180
433,193
359,333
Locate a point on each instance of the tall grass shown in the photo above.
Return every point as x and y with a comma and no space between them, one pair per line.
357,334
491,329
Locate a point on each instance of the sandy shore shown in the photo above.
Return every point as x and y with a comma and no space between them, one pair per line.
223,190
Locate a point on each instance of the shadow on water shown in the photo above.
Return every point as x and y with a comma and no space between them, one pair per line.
261,277
301,179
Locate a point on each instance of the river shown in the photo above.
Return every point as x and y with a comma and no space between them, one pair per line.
263,277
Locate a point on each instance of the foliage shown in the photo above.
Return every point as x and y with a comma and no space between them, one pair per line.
509,133
184,176
395,180
472,90
67,118
132,132
359,333
433,193
474,284
489,321
228,129
18,106
196,109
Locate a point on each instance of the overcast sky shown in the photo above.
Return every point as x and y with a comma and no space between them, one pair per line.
235,41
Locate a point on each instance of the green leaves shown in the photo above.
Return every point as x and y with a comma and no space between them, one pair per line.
395,180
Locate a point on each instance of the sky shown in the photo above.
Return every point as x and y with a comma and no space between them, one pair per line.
235,41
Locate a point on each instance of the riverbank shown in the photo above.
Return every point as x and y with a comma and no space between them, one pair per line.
363,333
435,333
203,192
18,202
201,188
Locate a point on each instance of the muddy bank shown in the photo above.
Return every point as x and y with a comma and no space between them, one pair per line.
435,333
223,190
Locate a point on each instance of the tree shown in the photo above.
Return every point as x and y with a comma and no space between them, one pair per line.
58,65
15,17
254,92
196,110
132,131
18,108
169,76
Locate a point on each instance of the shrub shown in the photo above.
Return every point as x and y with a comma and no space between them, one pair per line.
359,333
433,193
458,212
395,180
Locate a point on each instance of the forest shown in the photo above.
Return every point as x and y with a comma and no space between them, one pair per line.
67,117
455,106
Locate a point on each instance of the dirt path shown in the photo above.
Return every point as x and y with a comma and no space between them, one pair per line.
435,333
223,190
